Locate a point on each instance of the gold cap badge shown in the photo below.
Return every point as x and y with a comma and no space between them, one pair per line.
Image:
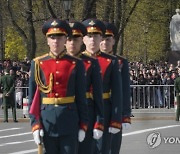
91,23
71,24
54,23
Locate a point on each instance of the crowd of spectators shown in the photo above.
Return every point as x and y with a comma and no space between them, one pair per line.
153,73
155,84
20,72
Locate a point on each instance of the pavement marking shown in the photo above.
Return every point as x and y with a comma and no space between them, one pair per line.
16,135
148,130
3,130
12,143
24,152
125,134
160,112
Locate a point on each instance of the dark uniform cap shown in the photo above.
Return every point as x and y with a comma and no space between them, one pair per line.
56,26
94,26
78,29
111,29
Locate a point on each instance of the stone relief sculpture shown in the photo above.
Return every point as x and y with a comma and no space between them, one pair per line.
175,31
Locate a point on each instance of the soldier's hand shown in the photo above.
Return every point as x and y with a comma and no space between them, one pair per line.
113,130
81,135
97,134
38,134
126,126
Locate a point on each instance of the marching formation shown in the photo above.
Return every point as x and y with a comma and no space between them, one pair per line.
79,92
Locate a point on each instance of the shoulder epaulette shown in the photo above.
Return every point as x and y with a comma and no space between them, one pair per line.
110,55
121,56
87,55
40,57
74,57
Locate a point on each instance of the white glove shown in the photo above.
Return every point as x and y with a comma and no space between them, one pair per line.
97,134
81,135
113,130
38,134
126,126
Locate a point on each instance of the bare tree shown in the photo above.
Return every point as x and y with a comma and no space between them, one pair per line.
88,9
51,11
114,11
33,12
121,21
28,36
107,10
1,34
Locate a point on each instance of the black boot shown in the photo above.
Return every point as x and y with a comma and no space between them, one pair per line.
15,121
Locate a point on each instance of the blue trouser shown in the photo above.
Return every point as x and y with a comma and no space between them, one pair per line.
103,144
116,143
65,144
87,146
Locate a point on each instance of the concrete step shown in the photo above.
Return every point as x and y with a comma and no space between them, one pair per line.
153,114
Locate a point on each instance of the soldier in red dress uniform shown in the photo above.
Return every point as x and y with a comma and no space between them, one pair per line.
57,94
93,88
111,84
106,46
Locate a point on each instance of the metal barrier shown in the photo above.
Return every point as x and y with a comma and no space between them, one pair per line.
152,96
21,98
24,91
142,96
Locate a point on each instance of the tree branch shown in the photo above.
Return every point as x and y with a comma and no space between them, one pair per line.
50,9
88,7
128,17
107,10
17,27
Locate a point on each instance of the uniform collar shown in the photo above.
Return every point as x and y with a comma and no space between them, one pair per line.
110,53
78,54
58,56
92,55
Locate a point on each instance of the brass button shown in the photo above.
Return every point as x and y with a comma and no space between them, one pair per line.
57,83
41,62
89,61
74,62
57,72
56,94
57,62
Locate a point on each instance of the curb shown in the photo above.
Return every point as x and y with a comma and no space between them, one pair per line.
132,119
10,120
152,118
138,115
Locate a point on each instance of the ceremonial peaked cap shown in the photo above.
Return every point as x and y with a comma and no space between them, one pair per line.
111,29
56,26
94,26
78,29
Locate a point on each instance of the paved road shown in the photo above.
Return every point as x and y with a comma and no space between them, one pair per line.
16,138
135,139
